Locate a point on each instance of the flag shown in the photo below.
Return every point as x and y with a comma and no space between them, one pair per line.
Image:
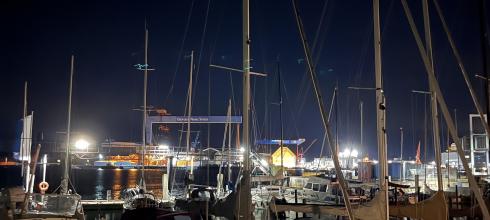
417,156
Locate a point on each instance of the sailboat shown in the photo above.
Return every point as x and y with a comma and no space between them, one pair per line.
377,208
138,200
201,200
22,203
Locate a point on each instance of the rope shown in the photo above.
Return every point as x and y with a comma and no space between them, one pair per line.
181,51
201,48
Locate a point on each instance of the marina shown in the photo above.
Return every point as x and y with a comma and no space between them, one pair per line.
270,145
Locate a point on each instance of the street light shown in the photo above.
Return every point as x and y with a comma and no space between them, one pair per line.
81,144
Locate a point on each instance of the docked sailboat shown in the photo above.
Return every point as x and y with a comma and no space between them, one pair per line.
22,202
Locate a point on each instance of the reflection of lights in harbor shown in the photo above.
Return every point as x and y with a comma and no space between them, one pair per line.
81,144
133,169
99,169
118,169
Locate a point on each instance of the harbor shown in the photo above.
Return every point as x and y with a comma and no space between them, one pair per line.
246,110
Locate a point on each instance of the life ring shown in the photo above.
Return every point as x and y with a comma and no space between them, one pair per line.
43,186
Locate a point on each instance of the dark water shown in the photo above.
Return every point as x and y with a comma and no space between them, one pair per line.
93,183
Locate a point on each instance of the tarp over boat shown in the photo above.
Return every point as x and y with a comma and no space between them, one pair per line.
434,207
371,210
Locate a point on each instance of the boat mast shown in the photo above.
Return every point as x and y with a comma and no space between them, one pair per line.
24,150
66,173
433,95
280,117
246,200
321,105
189,111
380,112
445,112
229,139
143,130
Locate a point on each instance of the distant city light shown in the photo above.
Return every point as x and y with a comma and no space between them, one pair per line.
163,147
346,153
354,153
81,144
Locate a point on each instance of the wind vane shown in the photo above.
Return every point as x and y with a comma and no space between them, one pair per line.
142,67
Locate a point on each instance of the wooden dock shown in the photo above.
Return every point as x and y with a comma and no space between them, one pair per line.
102,204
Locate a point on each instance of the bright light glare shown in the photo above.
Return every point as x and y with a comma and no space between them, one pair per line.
354,153
163,147
101,157
81,144
242,149
346,152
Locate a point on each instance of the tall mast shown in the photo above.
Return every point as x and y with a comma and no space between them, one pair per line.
145,89
444,110
433,95
229,139
485,47
24,151
380,112
189,110
66,173
280,116
245,188
362,122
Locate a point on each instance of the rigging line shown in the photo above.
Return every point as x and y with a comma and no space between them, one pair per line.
233,94
412,115
462,68
201,49
305,86
181,51
266,108
288,105
180,137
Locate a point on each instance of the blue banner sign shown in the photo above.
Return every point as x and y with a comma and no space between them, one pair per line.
196,119
284,142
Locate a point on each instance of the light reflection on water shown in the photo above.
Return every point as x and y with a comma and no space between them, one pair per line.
93,183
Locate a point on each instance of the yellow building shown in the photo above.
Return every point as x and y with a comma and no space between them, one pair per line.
289,158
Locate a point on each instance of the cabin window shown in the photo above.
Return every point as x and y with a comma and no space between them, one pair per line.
323,188
308,186
316,187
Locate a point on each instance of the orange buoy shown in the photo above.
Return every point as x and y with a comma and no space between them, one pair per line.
43,186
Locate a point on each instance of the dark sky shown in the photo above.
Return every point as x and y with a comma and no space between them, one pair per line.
107,39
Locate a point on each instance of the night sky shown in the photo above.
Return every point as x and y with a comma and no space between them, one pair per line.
107,39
